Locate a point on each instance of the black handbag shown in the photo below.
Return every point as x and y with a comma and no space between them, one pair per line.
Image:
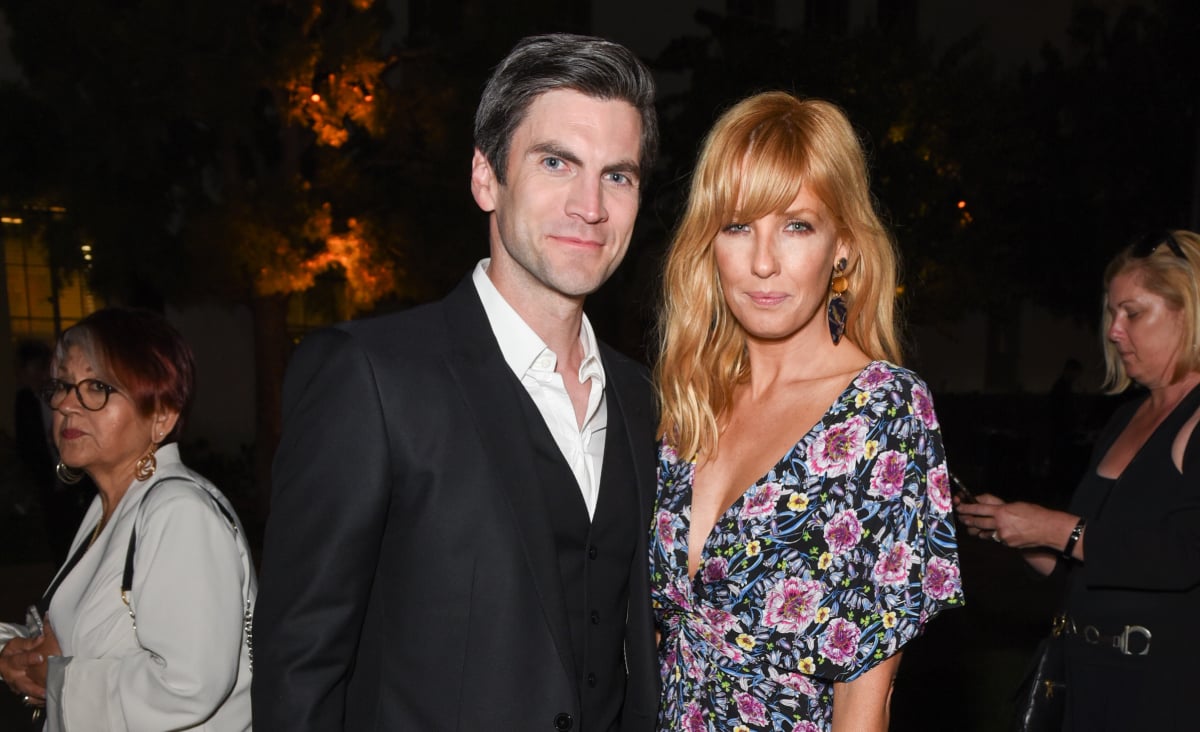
1041,700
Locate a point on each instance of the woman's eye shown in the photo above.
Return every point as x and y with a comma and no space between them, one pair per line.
735,228
798,226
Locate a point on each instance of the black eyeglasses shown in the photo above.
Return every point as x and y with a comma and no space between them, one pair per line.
1150,242
92,393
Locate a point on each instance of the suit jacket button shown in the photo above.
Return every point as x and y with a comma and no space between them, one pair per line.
591,680
592,552
595,618
563,722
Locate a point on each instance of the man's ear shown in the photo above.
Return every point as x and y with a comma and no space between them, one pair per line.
483,182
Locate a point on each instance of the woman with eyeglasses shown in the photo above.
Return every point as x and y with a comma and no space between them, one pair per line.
1130,539
145,626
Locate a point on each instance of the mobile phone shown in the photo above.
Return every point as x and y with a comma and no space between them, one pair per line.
961,490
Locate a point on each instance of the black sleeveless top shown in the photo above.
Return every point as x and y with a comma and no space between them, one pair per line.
1142,544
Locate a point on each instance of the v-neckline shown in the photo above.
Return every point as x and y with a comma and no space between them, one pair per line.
741,498
1187,398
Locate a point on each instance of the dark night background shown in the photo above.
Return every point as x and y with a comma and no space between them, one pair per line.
257,168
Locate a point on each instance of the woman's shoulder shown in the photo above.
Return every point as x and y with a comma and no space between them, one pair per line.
886,377
177,487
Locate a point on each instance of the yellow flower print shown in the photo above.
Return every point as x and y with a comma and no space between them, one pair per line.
807,666
746,641
889,619
862,398
822,615
741,728
798,502
871,449
753,548
825,560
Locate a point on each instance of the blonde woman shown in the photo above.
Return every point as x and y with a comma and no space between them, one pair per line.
1130,540
803,531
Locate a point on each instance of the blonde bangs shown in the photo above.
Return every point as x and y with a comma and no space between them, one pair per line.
781,144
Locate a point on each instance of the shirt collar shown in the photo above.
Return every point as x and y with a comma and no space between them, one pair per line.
519,345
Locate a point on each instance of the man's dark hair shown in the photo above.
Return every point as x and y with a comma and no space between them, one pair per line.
538,64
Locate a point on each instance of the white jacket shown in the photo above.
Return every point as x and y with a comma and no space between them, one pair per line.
187,665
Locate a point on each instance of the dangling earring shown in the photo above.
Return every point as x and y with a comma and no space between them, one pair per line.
837,304
146,464
67,474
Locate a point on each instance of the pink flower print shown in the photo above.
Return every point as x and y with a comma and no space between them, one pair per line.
667,452
795,682
761,502
938,486
666,530
839,644
718,619
678,595
792,604
750,709
922,405
892,566
837,449
876,375
715,569
887,477
843,532
806,726
693,718
941,579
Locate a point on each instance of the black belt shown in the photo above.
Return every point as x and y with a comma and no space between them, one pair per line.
1132,640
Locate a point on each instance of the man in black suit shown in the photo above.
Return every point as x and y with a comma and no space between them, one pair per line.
462,494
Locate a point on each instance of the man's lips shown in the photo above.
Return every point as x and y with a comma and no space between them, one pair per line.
578,241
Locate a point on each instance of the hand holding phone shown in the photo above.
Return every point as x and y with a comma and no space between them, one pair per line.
959,489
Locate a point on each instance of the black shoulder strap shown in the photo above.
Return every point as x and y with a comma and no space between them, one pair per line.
127,577
1191,451
43,604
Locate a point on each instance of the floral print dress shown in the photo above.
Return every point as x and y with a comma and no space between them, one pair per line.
826,566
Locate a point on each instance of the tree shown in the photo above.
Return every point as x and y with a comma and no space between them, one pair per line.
210,149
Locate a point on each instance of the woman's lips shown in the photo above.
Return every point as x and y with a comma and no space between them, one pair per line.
766,299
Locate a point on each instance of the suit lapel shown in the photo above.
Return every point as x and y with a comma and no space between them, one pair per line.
492,394
639,425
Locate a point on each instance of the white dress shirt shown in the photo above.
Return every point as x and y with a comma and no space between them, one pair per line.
533,363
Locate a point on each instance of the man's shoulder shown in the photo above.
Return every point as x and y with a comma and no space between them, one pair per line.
427,325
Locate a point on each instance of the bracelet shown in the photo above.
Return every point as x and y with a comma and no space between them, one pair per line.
1073,539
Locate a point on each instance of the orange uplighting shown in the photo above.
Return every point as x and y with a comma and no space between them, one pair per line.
341,98
962,204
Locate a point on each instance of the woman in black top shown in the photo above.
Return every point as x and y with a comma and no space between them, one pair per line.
1131,536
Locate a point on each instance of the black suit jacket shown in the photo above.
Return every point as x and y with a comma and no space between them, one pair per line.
409,575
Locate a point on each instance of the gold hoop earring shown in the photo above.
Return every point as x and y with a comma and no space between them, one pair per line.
67,474
146,464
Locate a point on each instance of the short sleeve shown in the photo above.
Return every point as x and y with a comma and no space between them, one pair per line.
890,560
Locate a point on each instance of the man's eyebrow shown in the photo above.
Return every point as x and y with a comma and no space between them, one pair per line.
556,150
629,167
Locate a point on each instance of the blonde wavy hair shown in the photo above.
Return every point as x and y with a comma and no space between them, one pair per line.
1171,277
754,161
